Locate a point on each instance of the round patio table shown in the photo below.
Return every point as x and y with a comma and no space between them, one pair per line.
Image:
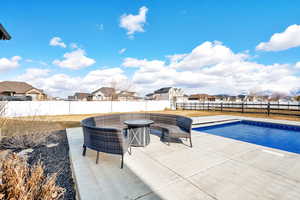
138,132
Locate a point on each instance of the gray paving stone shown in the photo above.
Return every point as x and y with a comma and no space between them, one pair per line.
215,168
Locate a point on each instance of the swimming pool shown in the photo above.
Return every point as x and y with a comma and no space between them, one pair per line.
279,136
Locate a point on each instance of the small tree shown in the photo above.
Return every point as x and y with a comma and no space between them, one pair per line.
297,98
119,86
276,96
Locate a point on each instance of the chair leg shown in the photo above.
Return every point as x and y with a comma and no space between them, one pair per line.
122,161
191,141
130,150
84,150
97,159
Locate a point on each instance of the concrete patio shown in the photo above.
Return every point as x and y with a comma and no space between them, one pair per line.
215,168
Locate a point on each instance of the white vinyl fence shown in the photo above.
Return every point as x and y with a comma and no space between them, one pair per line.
37,108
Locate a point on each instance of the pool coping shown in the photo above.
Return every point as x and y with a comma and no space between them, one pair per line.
231,118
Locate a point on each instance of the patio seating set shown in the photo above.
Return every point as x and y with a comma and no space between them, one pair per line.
117,133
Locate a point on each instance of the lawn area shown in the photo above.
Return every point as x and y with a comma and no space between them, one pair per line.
68,121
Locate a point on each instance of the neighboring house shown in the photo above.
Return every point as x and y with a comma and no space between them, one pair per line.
150,96
221,97
250,98
241,98
233,99
21,89
80,96
4,34
201,97
168,93
104,94
127,96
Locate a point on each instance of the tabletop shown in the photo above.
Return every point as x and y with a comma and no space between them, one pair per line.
138,122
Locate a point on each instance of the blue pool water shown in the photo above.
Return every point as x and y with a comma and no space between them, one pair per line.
279,136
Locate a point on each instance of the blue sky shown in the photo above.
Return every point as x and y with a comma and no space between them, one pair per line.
227,33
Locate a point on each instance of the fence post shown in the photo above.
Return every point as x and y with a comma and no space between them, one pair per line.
242,107
268,108
208,106
221,106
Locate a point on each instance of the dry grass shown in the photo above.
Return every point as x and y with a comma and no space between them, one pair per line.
23,133
40,124
23,182
67,121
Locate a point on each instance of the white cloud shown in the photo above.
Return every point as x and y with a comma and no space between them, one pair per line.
76,59
144,65
7,64
205,55
33,73
63,85
121,51
290,38
218,70
134,23
57,41
212,68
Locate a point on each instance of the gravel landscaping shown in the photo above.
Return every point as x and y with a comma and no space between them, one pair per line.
54,154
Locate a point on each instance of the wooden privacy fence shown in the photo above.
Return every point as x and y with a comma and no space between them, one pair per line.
266,108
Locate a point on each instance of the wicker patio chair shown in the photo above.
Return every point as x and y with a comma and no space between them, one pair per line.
107,140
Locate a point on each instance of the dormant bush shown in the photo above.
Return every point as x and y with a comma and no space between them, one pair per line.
19,181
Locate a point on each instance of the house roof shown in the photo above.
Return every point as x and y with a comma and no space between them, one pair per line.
149,95
106,91
221,95
162,90
16,87
81,95
196,96
4,34
126,94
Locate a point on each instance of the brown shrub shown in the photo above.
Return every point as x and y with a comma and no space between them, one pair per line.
23,182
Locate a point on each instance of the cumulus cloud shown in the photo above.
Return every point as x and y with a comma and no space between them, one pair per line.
33,73
76,59
7,64
289,38
134,23
63,85
212,68
144,65
57,41
121,51
206,54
